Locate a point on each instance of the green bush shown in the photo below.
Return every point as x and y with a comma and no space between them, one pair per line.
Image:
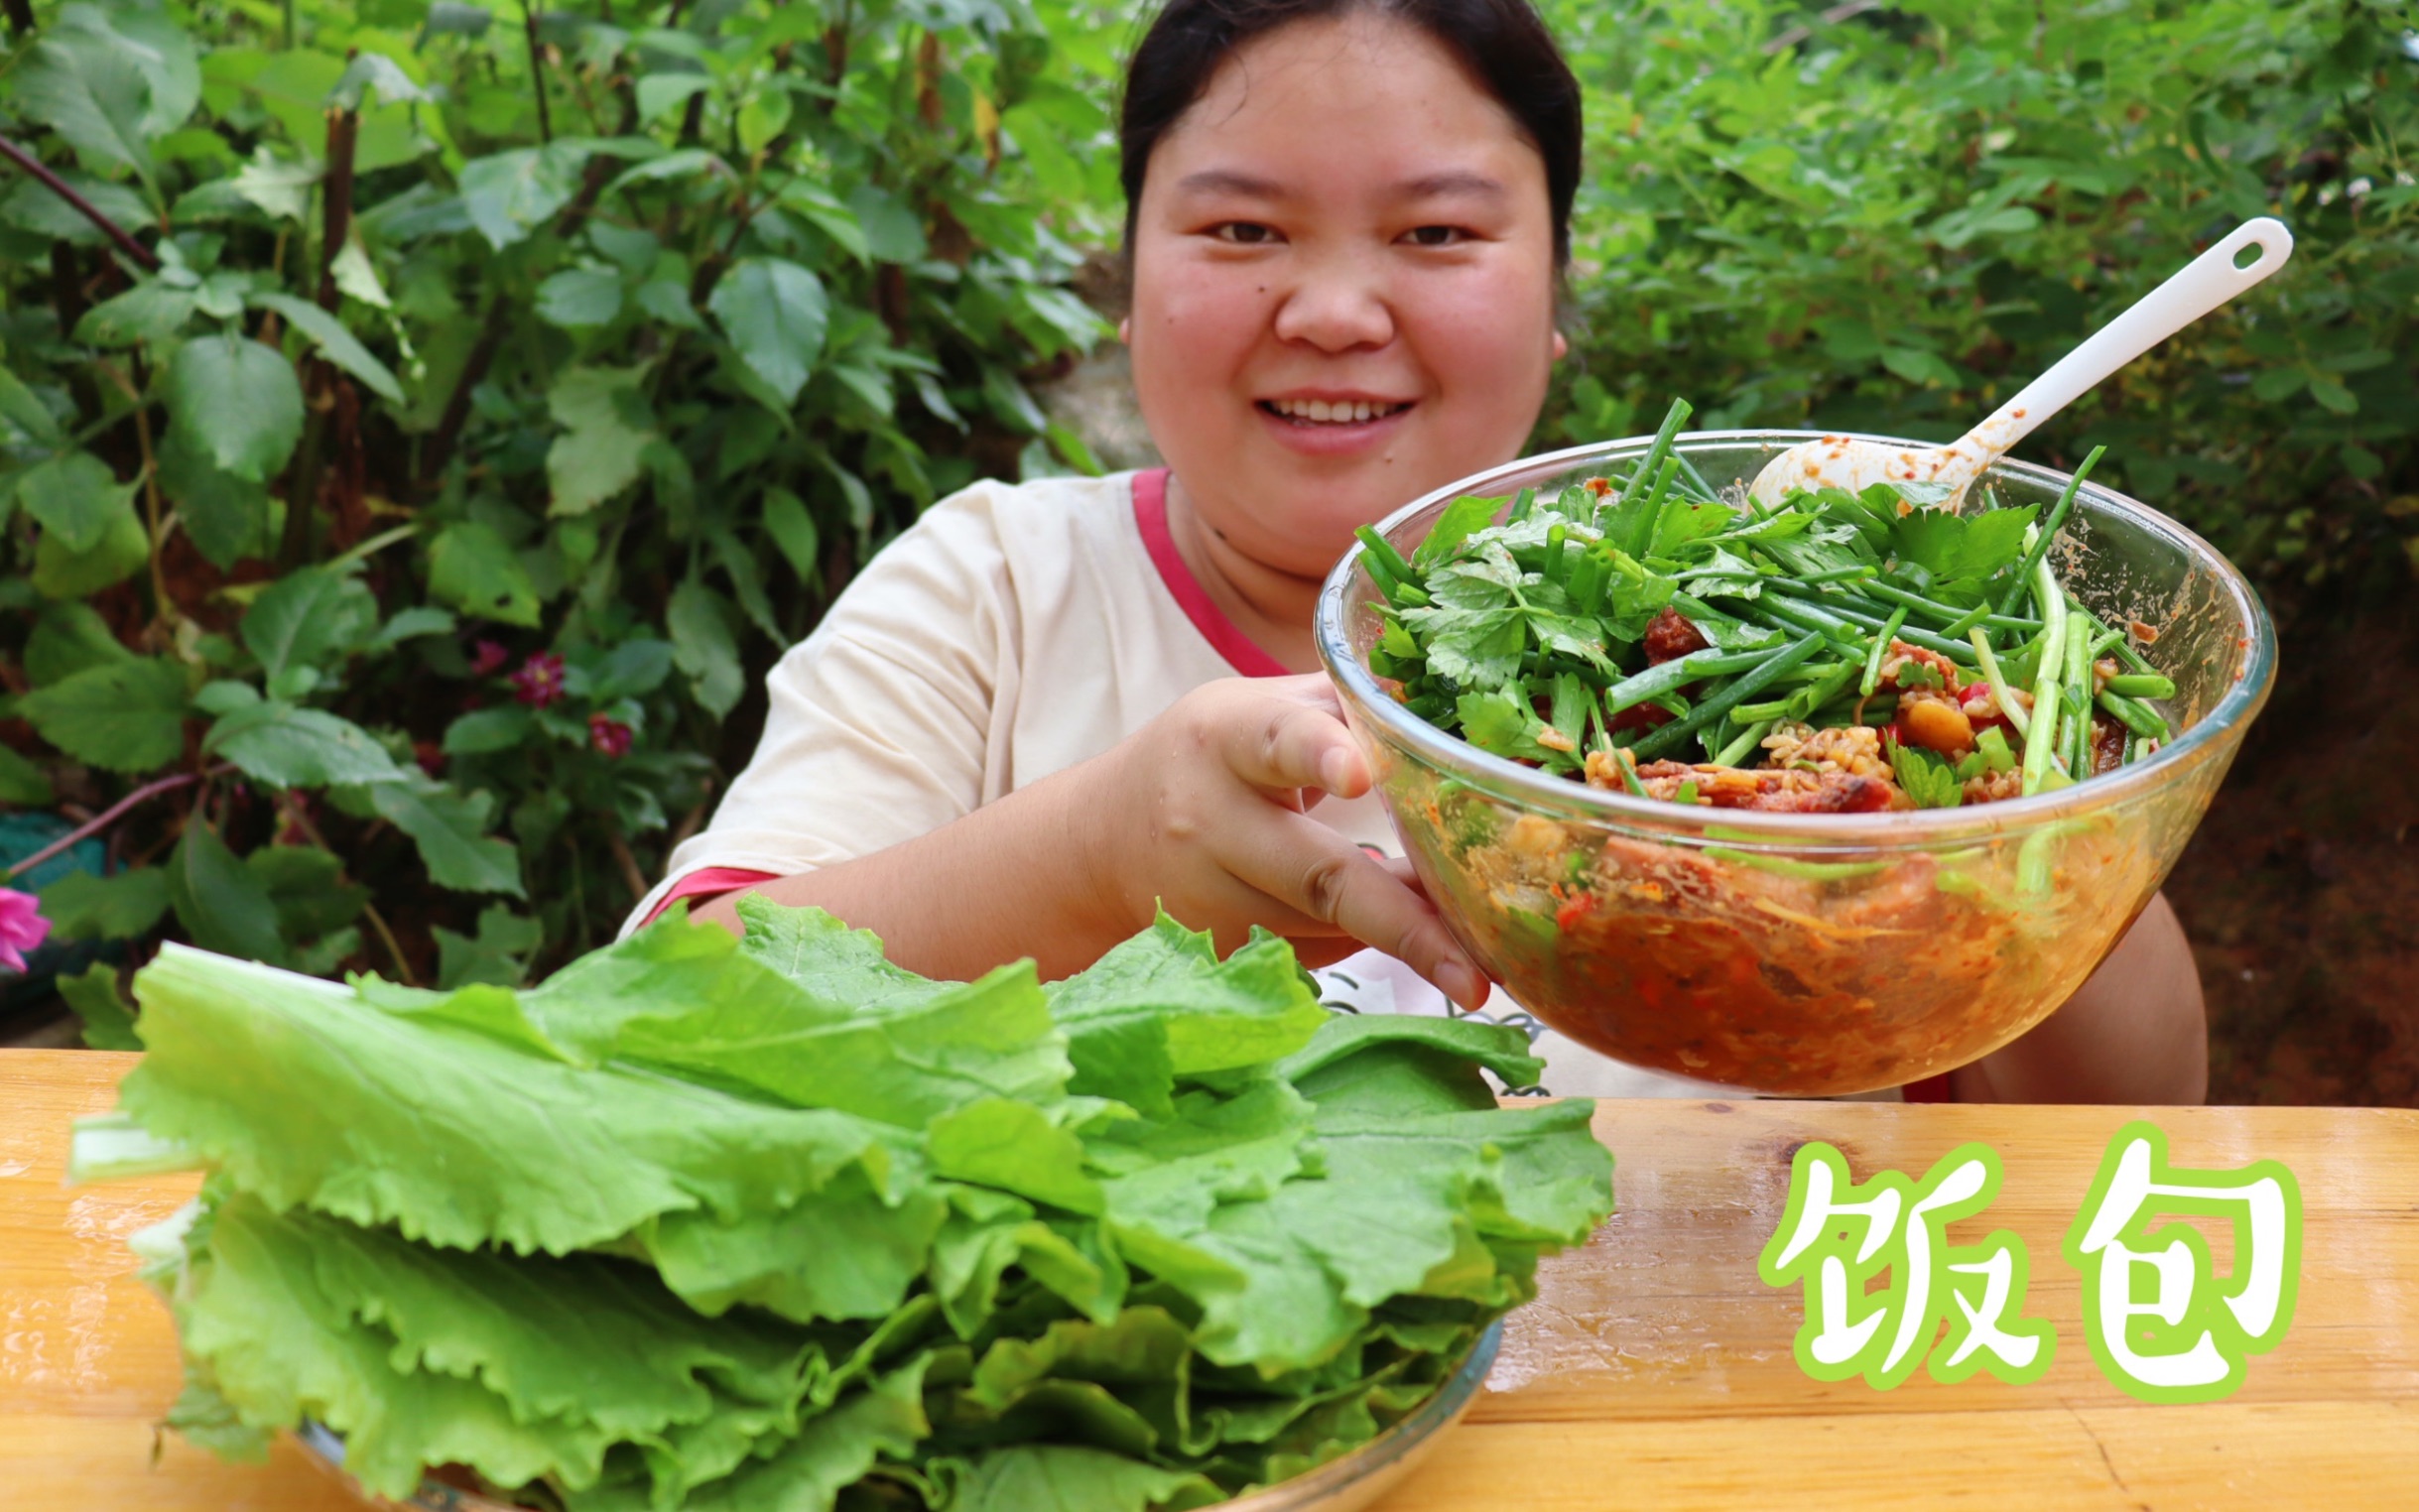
1891,220
404,496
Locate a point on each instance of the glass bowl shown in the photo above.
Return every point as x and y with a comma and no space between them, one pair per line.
1811,954
1346,1484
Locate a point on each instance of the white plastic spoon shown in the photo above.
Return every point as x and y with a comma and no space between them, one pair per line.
2206,282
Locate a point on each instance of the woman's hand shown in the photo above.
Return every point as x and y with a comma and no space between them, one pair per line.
2136,1032
1205,809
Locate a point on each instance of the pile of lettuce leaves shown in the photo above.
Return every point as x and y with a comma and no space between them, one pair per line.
770,1222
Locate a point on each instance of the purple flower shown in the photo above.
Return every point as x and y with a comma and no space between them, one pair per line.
611,736
487,658
21,928
540,680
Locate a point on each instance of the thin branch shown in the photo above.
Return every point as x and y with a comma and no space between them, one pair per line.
448,430
537,69
35,167
109,816
631,876
369,911
336,199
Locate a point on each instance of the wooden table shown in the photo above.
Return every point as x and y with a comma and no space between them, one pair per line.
1654,1371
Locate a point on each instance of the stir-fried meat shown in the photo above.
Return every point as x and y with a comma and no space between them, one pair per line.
1784,791
1670,636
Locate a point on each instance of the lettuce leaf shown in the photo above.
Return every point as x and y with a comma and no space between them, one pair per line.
744,1225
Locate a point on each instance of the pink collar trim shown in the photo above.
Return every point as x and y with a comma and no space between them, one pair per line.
1242,653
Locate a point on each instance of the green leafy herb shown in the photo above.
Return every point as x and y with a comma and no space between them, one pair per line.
1926,777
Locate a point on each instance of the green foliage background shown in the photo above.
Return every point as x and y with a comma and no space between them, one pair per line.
448,369
430,366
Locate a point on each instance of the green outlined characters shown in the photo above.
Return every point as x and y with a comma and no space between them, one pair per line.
1837,1236
2190,1339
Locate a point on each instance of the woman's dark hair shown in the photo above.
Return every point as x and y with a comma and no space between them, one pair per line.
1502,41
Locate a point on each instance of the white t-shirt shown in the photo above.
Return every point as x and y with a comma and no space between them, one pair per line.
1015,630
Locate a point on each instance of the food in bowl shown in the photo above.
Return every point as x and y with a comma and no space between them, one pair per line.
773,1224
1808,799
1832,653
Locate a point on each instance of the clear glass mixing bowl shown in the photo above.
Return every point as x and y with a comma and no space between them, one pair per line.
1812,954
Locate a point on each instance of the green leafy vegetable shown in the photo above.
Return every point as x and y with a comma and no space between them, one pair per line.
740,1223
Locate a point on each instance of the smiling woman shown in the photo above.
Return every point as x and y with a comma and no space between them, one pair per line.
1048,708
1069,699
1343,264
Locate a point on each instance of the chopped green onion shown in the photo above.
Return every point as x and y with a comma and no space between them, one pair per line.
1944,614
1790,866
2141,719
2134,685
2078,693
1662,678
1668,737
1627,760
2041,742
1749,739
2038,552
2001,694
1881,648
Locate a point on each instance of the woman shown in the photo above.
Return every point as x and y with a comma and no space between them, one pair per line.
1048,708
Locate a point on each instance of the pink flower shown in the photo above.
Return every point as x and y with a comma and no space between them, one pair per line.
21,928
487,658
540,680
611,736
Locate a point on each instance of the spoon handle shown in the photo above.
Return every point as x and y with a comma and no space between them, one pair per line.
2206,282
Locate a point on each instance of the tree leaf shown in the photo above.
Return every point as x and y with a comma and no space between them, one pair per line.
793,529
412,624
227,518
510,193
702,647
775,313
237,403
484,730
659,95
335,344
222,905
92,96
97,998
473,569
30,206
313,617
60,573
288,747
149,311
893,234
23,784
579,298
69,638
76,499
82,906
307,887
155,45
376,74
451,829
606,429
499,954
120,716
279,189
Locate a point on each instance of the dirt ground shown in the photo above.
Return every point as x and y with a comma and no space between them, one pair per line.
2301,889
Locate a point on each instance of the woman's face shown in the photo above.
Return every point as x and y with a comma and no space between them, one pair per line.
1343,286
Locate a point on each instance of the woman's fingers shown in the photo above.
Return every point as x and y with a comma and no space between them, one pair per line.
1318,873
1294,738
